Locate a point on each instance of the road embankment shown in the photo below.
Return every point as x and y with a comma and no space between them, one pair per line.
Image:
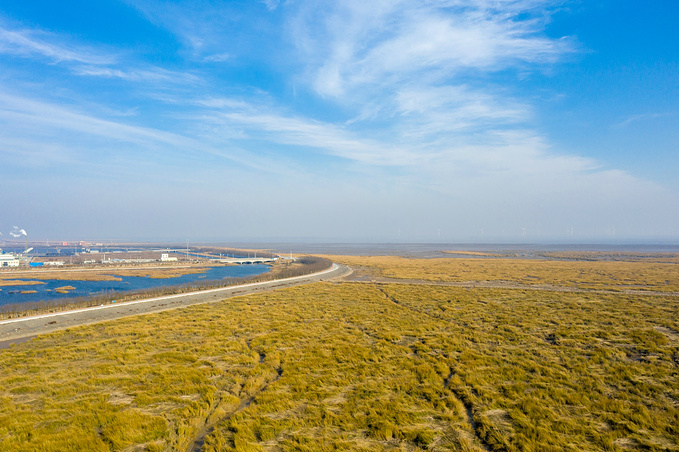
19,330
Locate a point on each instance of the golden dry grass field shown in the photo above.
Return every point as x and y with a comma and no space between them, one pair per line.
367,366
647,274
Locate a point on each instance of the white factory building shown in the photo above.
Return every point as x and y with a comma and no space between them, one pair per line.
165,257
8,260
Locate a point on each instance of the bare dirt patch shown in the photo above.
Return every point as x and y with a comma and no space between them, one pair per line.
669,332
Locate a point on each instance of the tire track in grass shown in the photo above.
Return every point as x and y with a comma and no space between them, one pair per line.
469,414
401,305
199,440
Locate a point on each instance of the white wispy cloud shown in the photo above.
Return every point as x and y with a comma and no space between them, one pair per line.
271,4
420,75
217,57
152,74
513,151
216,32
641,117
34,121
84,60
52,115
244,120
428,111
38,43
383,43
202,27
506,180
327,138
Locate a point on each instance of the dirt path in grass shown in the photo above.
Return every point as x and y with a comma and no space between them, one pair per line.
21,329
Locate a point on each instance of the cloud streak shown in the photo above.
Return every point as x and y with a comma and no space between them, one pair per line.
84,60
36,43
640,118
151,75
40,134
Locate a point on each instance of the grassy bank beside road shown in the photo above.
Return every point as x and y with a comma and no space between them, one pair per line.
357,366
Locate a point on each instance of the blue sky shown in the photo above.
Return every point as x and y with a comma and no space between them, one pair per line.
425,121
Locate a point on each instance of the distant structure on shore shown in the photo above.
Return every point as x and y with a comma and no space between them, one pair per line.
8,260
165,257
84,253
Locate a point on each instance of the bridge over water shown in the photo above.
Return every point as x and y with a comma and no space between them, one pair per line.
245,260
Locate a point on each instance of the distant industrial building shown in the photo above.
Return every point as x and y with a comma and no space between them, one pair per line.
8,260
165,257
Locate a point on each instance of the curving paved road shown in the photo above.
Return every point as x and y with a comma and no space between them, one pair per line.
22,329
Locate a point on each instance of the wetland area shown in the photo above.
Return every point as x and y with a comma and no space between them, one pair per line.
32,286
455,351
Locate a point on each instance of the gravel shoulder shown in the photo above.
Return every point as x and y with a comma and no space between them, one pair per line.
15,331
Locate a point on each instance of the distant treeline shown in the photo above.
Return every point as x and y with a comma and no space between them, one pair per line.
280,270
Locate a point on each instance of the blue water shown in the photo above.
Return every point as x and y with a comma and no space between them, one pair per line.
46,292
